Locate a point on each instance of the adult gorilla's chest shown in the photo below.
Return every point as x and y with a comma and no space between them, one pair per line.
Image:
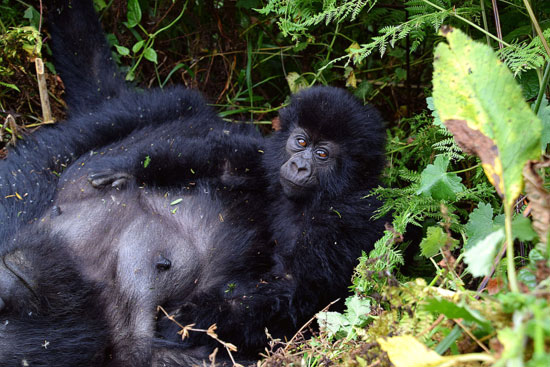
144,243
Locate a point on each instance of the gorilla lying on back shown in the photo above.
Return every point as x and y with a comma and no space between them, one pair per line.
162,203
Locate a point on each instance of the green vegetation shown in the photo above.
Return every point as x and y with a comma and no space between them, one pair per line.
463,85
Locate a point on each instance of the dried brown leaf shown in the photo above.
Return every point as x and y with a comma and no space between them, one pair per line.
474,142
539,197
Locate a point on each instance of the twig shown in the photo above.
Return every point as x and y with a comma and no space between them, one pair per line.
184,332
11,127
497,24
482,346
40,20
43,91
307,323
432,326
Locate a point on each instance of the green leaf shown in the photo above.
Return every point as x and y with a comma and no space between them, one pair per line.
12,86
455,311
99,5
358,310
431,107
481,256
480,224
437,183
544,115
300,46
33,16
342,325
522,229
527,277
176,202
150,55
481,104
434,241
134,13
137,46
130,76
146,161
332,322
363,89
122,50
529,82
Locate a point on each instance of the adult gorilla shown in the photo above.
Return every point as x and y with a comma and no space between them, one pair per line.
211,228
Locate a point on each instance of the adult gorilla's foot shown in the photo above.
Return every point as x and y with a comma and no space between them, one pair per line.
108,177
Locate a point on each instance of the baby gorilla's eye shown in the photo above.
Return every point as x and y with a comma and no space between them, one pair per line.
301,142
321,153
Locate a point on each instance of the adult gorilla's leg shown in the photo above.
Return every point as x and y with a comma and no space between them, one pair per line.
48,314
82,56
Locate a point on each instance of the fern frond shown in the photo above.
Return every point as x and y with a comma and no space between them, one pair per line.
297,17
520,57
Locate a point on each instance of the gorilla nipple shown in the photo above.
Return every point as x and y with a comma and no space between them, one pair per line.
163,263
56,211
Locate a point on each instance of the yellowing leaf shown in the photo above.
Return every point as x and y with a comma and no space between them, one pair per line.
296,82
481,104
351,81
406,351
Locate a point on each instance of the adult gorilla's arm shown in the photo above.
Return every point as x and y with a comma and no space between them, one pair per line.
155,157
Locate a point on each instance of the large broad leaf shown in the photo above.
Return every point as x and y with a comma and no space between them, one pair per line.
481,104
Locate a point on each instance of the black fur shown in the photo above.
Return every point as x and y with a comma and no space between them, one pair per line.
235,250
317,240
50,316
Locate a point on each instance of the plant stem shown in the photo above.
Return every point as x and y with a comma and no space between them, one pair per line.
484,17
467,169
537,26
512,279
332,42
542,88
454,14
497,24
